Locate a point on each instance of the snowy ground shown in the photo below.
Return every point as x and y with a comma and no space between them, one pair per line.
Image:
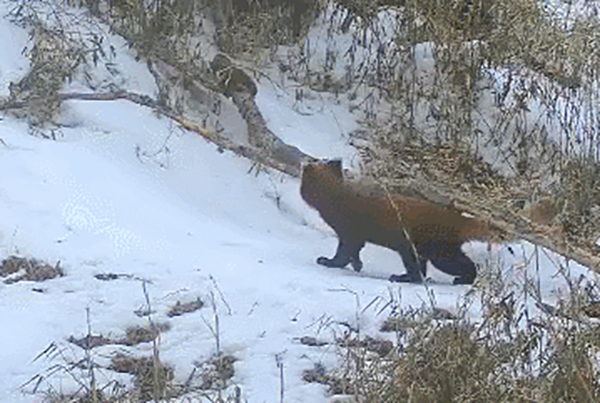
106,198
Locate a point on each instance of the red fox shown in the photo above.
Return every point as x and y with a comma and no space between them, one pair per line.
435,233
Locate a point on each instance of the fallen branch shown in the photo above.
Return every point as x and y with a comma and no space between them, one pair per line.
247,151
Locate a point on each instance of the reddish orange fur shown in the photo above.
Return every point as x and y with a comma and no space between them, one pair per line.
358,217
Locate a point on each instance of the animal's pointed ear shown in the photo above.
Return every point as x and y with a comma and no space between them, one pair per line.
335,166
337,163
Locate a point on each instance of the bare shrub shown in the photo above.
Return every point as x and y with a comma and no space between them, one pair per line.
57,53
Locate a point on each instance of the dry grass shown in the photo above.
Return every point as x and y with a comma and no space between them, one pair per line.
249,28
514,353
508,162
181,308
501,122
135,335
58,53
151,378
90,380
216,372
563,207
17,268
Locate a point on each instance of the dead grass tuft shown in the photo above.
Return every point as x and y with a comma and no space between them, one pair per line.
135,335
181,308
448,363
16,268
215,373
151,377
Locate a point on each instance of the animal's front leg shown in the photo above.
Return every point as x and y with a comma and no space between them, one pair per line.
347,252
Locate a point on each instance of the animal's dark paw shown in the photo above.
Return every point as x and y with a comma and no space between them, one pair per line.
464,280
404,278
323,261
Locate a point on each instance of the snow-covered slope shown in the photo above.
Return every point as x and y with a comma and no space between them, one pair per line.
122,191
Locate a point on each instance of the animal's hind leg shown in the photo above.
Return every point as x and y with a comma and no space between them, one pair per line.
348,251
451,260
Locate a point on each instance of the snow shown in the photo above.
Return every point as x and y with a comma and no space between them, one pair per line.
319,129
12,64
109,197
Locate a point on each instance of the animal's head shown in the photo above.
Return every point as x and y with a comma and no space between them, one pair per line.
320,178
323,168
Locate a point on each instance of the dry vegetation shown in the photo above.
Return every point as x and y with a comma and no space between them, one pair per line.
16,268
181,308
502,124
109,369
520,350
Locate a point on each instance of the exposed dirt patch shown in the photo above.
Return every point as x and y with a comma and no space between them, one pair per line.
151,377
90,341
17,268
181,308
134,335
216,372
312,341
379,347
319,374
112,276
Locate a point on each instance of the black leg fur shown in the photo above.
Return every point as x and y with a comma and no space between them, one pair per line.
416,267
451,260
448,258
347,252
459,265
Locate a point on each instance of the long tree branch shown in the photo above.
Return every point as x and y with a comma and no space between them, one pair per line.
248,151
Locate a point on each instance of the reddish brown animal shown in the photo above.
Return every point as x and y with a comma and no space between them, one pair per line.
436,233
